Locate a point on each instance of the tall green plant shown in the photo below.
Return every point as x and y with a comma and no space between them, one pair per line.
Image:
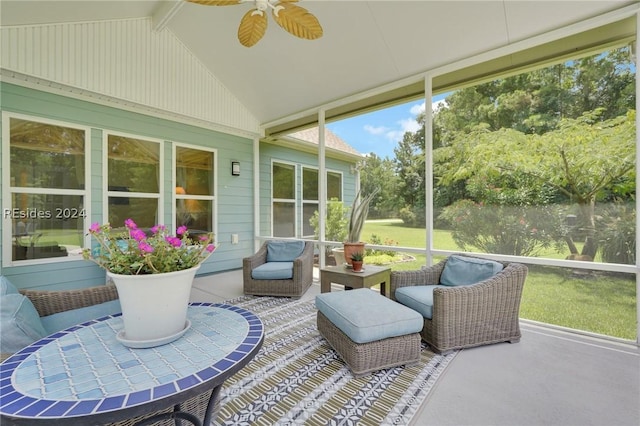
336,223
359,212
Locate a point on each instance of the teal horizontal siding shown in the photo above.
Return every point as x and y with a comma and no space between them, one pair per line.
234,194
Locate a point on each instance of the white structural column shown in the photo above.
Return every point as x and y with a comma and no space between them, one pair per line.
256,194
428,165
637,61
322,184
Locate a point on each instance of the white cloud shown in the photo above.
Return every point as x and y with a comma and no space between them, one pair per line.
395,135
375,130
409,125
417,109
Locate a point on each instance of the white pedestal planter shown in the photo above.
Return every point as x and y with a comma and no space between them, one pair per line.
154,307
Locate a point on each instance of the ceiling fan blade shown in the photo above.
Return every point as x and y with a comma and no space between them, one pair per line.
252,27
297,20
216,2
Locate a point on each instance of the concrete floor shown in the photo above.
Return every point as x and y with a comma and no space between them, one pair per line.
551,377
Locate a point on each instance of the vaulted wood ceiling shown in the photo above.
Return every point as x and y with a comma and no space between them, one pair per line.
366,44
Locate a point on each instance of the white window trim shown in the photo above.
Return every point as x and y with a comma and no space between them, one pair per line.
105,175
296,172
304,201
7,189
213,198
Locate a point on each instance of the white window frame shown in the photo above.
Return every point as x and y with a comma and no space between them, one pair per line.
159,197
213,198
285,200
304,201
8,189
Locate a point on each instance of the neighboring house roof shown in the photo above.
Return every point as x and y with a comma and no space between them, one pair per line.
331,140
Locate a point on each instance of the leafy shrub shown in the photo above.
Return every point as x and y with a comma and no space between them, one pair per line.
336,223
618,235
376,240
412,216
512,230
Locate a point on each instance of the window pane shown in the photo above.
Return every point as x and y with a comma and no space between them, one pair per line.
195,214
308,209
46,225
283,181
310,184
194,171
334,186
46,156
284,217
143,211
134,165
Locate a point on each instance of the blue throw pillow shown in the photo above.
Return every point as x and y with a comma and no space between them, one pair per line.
462,270
6,287
20,323
284,251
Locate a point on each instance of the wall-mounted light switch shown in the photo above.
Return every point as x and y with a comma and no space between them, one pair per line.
234,238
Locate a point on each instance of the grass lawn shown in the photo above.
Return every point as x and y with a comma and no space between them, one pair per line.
602,303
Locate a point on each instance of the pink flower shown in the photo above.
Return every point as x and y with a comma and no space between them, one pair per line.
176,242
137,234
211,248
203,238
145,247
129,223
158,228
181,230
95,228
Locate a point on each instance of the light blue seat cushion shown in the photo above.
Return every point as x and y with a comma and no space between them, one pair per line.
62,320
273,271
20,323
284,251
419,298
461,270
366,316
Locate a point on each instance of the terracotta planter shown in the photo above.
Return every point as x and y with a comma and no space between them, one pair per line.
350,248
154,306
357,265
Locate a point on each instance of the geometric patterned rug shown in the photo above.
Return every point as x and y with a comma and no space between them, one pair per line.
297,378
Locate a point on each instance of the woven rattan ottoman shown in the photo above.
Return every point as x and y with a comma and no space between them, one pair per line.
369,331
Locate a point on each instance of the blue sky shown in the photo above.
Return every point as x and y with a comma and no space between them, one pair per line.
380,131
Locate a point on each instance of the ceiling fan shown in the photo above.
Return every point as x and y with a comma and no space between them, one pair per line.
293,19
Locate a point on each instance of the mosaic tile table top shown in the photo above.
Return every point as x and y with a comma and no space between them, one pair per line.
85,371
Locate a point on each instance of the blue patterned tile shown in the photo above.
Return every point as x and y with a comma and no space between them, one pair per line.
163,390
83,407
18,405
139,397
103,380
59,409
109,404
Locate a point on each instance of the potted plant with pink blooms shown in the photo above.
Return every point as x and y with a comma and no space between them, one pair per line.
153,272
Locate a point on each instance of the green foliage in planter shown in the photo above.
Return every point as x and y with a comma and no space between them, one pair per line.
357,256
359,212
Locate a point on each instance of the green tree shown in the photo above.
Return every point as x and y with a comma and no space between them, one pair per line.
582,160
378,174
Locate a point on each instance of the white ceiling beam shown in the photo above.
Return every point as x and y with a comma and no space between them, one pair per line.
165,12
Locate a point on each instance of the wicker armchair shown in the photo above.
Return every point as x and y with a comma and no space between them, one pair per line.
294,287
468,316
51,302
